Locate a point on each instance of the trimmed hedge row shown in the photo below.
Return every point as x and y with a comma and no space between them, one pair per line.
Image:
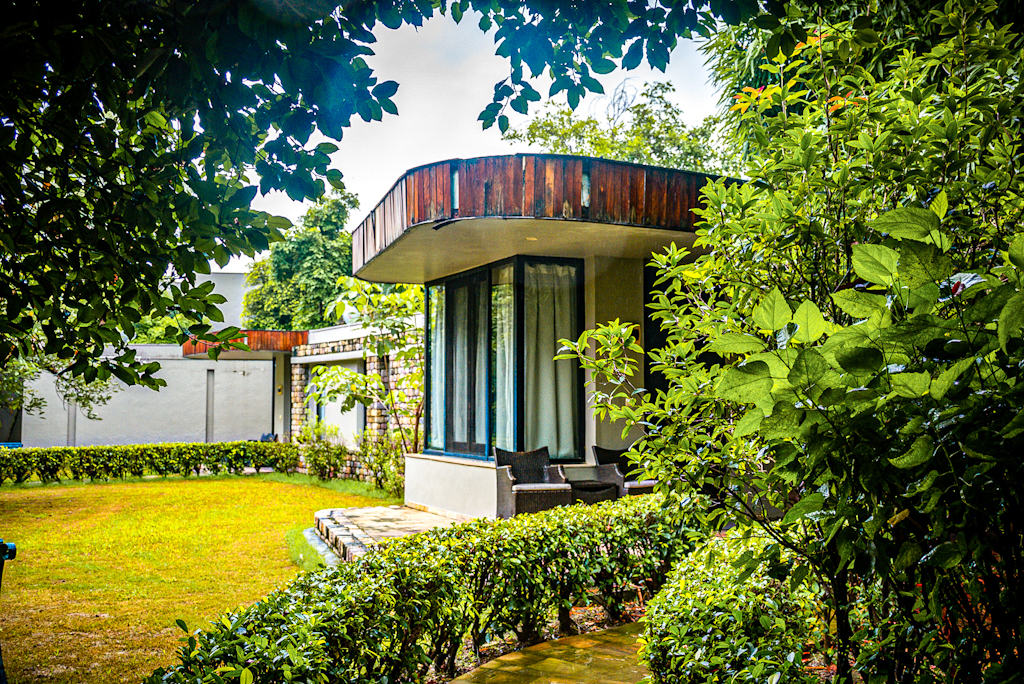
409,605
118,461
711,623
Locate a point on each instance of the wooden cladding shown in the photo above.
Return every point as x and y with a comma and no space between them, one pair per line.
530,185
258,340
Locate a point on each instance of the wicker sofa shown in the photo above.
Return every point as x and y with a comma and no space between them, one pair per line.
528,483
613,466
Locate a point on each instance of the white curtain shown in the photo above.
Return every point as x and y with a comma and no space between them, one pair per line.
549,299
503,339
435,303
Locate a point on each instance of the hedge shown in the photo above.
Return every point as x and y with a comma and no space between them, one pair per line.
118,461
410,605
712,623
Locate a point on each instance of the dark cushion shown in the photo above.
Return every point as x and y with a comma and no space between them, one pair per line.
528,467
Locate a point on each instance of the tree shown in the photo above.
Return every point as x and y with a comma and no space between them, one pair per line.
391,316
844,353
132,134
296,285
643,128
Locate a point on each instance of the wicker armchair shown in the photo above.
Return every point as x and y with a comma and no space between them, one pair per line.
613,466
527,482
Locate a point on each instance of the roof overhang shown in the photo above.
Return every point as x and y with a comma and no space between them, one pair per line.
264,345
430,251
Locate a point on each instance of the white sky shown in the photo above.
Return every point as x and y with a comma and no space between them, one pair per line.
446,74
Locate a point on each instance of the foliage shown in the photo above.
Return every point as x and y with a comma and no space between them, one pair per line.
844,352
391,317
714,622
142,553
644,129
17,391
296,285
130,131
324,454
53,464
384,458
409,604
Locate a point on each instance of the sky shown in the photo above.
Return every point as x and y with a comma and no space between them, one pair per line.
446,74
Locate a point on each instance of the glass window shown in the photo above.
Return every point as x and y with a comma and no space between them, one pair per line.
491,342
550,387
466,328
503,345
435,356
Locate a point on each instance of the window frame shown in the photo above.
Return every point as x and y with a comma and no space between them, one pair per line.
485,273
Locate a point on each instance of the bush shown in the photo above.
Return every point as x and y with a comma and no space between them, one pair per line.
714,623
410,604
118,461
383,456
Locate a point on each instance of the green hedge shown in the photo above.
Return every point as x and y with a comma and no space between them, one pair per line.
118,461
410,604
710,623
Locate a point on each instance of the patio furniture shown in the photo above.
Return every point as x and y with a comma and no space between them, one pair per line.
613,466
528,483
592,491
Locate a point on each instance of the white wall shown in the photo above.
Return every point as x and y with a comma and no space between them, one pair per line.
449,486
232,286
350,423
613,289
240,403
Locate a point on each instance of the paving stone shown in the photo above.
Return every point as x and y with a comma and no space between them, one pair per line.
608,657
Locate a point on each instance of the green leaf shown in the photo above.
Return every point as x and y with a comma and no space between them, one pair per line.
736,343
860,360
812,503
773,313
810,324
859,304
909,554
941,384
747,383
875,263
245,677
940,205
907,223
279,222
182,625
810,367
748,424
920,452
1017,252
946,555
1014,427
911,385
1011,319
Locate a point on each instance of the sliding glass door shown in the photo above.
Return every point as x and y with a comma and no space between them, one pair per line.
492,381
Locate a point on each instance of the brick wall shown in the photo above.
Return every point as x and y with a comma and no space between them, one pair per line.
376,418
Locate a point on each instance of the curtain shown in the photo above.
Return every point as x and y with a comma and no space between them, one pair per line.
435,401
549,298
459,301
503,341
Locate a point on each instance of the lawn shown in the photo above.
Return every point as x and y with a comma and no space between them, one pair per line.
104,570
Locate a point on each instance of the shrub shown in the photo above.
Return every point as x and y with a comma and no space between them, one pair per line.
383,456
410,604
714,622
119,461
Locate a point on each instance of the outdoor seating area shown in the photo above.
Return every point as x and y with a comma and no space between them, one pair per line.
527,482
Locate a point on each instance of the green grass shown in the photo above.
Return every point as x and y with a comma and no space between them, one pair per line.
104,570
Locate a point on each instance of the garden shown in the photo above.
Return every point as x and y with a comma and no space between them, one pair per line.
837,445
105,568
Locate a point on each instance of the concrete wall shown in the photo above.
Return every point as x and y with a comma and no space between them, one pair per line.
204,400
232,286
613,289
455,487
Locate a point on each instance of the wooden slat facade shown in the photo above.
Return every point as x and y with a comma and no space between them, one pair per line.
530,185
258,341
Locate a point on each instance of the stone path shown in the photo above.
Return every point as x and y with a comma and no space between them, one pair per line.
608,657
351,532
